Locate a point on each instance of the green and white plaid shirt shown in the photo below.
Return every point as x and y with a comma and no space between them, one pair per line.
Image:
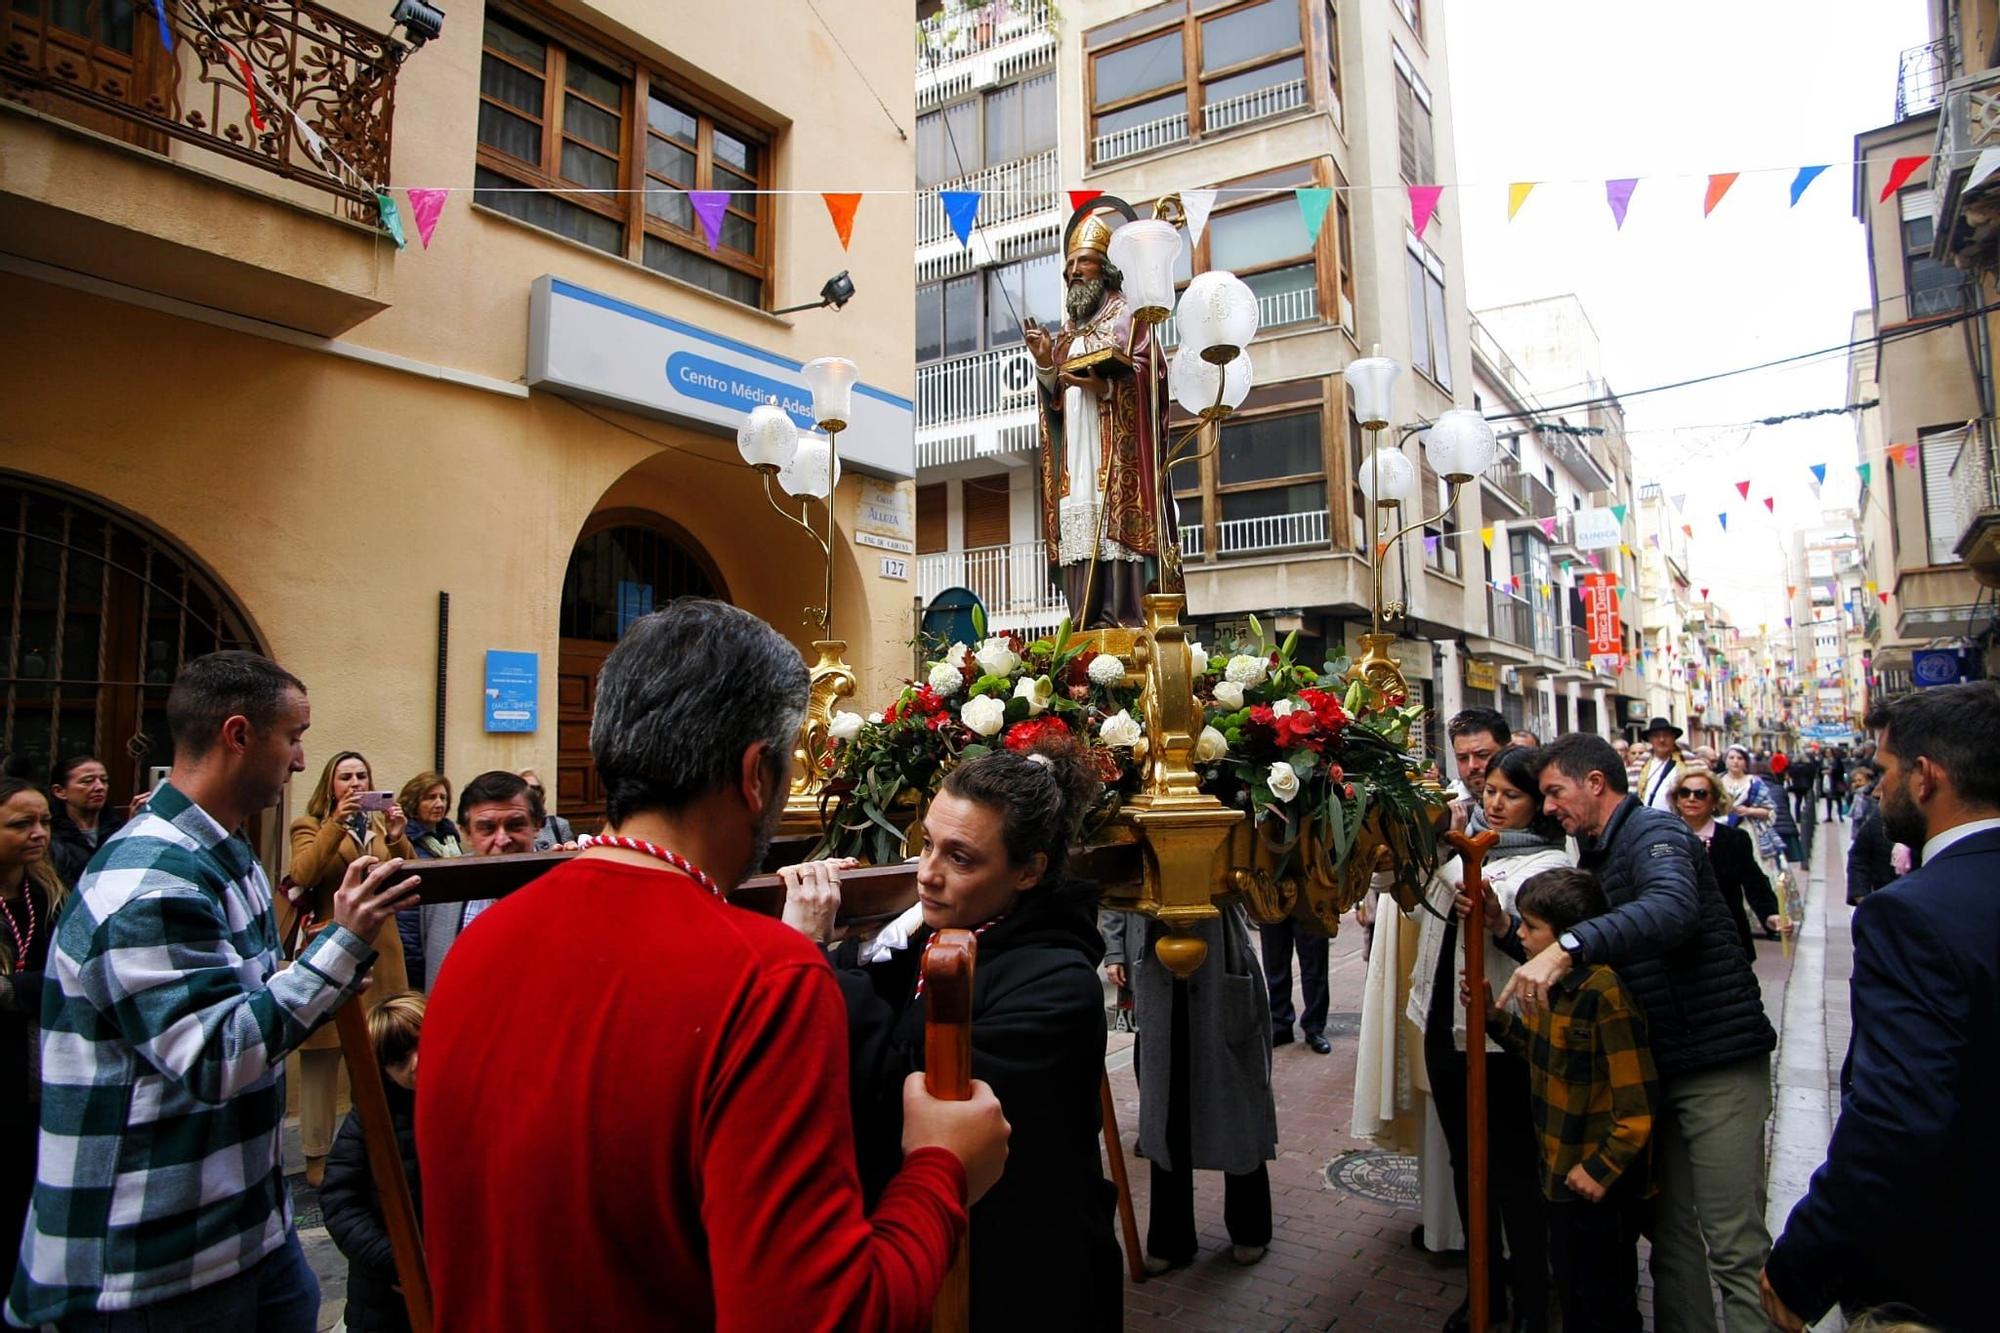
165,1027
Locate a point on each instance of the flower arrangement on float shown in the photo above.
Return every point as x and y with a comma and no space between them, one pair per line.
1003,691
1314,757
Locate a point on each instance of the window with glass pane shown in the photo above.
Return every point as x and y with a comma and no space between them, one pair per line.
1440,330
1139,68
1250,33
1333,58
961,315
1301,499
1420,340
1265,243
1415,151
1026,289
1934,288
557,149
930,322
1258,449
1344,238
1357,449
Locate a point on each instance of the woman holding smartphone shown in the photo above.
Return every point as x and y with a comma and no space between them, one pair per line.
345,818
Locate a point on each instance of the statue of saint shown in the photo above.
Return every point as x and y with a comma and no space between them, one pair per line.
1101,430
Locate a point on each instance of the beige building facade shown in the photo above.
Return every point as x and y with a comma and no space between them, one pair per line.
239,415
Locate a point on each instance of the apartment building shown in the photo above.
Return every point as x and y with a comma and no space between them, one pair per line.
1829,597
1930,526
1257,99
433,481
1530,362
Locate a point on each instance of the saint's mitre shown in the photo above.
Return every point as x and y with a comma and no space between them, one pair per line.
1090,236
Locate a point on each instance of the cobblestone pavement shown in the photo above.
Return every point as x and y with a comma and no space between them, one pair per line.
1339,1259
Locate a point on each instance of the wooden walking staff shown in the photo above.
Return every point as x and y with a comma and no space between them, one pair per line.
948,962
1472,851
1114,1153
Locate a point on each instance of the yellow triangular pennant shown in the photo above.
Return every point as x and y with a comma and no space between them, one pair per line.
1517,194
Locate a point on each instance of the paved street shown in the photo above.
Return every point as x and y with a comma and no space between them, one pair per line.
1342,1259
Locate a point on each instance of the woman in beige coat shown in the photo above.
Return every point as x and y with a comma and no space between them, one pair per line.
325,841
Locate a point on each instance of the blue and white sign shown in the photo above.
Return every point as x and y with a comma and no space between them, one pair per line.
512,682
584,344
1939,666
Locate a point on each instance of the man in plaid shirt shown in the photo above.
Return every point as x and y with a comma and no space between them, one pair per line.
1595,1092
160,1201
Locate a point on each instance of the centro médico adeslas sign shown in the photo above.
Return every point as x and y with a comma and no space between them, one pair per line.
584,344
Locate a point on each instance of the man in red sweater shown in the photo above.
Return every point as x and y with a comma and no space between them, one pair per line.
634,1110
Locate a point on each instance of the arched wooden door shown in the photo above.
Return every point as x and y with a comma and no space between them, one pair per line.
97,614
628,562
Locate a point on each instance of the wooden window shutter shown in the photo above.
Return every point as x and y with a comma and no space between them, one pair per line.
933,519
988,512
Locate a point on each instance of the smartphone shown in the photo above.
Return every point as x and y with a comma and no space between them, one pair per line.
377,802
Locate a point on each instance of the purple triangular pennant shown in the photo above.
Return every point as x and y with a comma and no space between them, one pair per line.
709,206
1618,194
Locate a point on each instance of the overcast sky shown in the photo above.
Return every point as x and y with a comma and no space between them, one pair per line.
1572,92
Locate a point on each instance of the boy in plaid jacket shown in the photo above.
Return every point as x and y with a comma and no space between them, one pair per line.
1595,1091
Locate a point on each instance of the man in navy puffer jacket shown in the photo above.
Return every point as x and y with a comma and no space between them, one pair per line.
1671,940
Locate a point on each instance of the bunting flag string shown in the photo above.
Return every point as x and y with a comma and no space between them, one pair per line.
1313,202
392,221
1198,203
1724,516
426,206
1687,529
1618,193
1800,182
1486,536
1770,504
840,207
1517,194
710,205
1819,474
1718,185
1423,203
1743,489
1549,528
1619,512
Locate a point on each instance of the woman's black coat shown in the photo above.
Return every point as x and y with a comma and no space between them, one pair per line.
1043,1253
354,1216
1738,875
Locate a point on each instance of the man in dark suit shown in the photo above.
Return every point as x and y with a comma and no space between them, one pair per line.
1902,1209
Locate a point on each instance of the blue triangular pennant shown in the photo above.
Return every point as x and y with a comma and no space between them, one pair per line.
960,207
1725,520
1819,474
1806,176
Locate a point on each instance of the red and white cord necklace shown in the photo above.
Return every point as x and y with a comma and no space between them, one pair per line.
977,931
21,943
657,852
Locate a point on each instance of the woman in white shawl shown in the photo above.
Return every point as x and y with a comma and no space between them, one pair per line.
1530,842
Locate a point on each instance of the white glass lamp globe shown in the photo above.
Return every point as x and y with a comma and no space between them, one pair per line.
1461,445
1217,315
831,379
1194,383
769,438
1370,383
1386,477
1145,252
806,478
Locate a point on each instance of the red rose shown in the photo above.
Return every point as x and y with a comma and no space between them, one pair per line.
1024,736
1334,772
1262,716
890,715
927,701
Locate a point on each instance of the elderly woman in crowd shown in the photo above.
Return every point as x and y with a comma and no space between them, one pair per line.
996,840
1706,804
335,830
31,893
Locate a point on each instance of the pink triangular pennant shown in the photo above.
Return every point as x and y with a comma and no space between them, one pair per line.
426,207
709,206
1423,203
1549,528
1770,504
1743,489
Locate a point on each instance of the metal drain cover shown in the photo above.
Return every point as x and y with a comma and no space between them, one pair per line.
1374,1173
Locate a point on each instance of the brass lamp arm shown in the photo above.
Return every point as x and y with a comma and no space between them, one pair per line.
794,519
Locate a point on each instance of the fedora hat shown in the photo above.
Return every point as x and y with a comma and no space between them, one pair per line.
1661,724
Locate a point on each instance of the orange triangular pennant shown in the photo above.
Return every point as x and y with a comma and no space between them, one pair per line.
1718,185
841,208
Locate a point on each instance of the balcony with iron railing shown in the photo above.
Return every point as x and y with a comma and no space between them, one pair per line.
1530,493
1513,619
1921,74
963,30
1007,193
1133,140
1258,104
1011,581
1975,482
264,134
998,381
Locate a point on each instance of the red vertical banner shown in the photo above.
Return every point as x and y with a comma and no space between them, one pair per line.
1600,609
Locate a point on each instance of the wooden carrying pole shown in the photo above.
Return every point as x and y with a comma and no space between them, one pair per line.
1472,930
385,1161
1114,1153
948,962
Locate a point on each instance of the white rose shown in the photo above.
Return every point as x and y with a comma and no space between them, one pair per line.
995,658
946,679
875,719
1039,691
1282,708
1229,694
1106,669
1247,670
1200,656
1210,746
984,715
845,726
1282,781
1121,728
